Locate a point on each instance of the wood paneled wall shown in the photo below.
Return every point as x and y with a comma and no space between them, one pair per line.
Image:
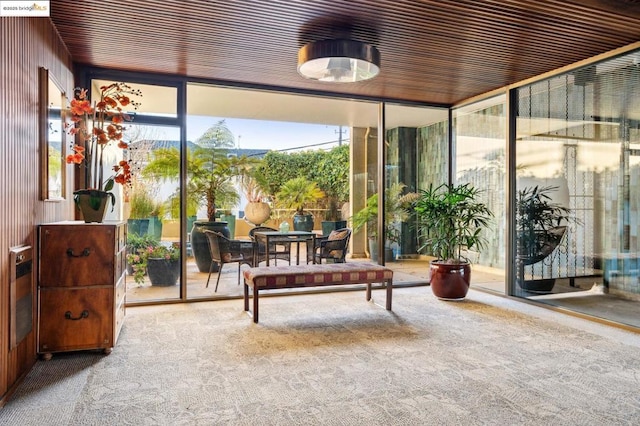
26,44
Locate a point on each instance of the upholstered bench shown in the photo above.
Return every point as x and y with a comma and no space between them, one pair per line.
294,276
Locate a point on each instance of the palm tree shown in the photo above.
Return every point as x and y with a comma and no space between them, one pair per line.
210,170
297,192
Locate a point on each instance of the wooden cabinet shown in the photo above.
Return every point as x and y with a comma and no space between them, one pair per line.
81,286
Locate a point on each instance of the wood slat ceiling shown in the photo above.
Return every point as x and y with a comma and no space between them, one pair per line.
433,51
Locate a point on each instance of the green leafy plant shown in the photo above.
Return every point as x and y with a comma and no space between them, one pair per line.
210,169
329,169
450,219
298,192
141,204
396,211
171,252
136,242
253,185
138,265
173,206
137,246
540,223
140,260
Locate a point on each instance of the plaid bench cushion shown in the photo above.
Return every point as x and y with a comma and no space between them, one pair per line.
272,277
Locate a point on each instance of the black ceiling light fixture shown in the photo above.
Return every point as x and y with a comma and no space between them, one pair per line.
338,61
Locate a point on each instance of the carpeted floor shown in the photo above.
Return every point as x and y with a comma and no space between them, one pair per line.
335,359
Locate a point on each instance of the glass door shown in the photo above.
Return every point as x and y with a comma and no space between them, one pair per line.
153,212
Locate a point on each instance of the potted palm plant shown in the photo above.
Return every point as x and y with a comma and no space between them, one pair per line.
450,220
396,212
296,194
540,226
210,172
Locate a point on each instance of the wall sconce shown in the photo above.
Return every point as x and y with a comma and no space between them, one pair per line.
338,61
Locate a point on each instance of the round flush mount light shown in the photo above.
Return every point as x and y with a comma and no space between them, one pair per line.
338,61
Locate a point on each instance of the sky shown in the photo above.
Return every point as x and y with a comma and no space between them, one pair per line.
275,135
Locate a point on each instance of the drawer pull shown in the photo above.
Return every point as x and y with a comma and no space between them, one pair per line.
86,252
83,314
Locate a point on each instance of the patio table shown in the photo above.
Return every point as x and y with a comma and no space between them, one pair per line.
269,238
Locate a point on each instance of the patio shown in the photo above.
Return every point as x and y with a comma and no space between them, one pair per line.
407,272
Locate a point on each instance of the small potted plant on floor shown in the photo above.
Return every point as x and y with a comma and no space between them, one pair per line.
163,264
137,245
450,220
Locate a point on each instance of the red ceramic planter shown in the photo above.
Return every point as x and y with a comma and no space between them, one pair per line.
450,281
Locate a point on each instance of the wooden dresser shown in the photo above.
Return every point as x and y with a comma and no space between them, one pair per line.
81,286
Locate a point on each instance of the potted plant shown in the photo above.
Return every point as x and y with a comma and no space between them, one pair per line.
97,128
155,219
396,205
257,211
141,205
137,245
540,226
295,194
163,264
333,218
210,173
450,219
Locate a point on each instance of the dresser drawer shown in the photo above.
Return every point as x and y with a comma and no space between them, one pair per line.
120,313
74,319
121,290
77,255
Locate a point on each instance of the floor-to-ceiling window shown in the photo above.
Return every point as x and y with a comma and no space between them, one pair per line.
479,134
417,155
577,177
149,204
237,123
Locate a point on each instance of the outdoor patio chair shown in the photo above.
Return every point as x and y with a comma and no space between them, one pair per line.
279,251
224,250
333,247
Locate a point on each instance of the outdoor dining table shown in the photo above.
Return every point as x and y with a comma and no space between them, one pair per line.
269,238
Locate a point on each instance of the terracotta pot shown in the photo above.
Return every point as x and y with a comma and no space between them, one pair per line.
450,281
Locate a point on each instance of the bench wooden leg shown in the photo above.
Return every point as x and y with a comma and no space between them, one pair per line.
368,292
246,296
389,292
255,304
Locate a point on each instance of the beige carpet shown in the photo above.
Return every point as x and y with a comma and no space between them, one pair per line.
335,359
